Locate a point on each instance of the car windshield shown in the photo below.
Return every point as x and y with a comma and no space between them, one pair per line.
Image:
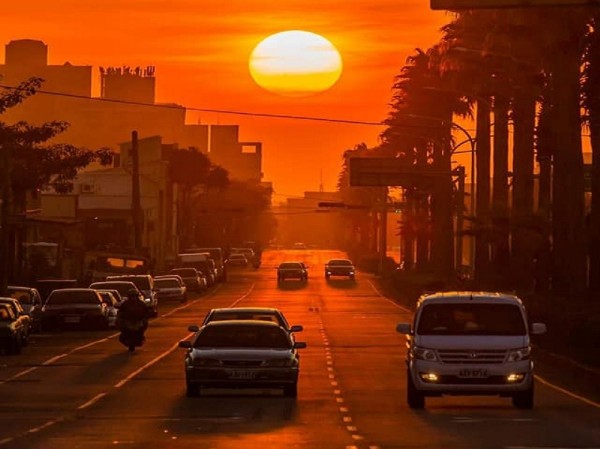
72,297
166,283
340,263
471,319
141,282
294,265
240,336
24,297
259,316
122,287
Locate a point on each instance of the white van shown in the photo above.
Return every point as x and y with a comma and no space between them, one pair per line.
470,343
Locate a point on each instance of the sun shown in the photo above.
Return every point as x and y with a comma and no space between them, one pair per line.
295,63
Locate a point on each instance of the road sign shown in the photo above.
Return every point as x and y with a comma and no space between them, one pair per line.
486,4
387,171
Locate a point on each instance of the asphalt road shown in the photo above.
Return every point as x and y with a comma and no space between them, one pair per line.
84,390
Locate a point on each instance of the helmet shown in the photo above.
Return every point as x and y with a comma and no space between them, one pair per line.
133,294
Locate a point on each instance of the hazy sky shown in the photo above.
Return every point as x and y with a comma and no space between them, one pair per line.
201,47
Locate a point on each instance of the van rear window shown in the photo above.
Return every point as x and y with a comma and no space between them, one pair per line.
471,319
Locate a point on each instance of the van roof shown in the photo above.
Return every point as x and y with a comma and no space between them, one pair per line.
469,296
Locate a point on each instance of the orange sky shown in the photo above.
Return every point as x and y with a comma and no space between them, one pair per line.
201,47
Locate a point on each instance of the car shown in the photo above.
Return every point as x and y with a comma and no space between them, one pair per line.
249,253
113,304
124,288
191,277
216,254
237,260
31,301
170,288
21,316
242,354
340,267
145,284
74,307
292,270
11,331
470,343
248,313
171,276
299,245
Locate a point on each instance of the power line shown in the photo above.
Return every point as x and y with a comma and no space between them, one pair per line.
217,111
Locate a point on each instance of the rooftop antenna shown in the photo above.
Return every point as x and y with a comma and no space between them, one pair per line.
321,183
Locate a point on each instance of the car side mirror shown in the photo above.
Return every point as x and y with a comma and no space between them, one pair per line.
538,328
300,345
296,328
403,328
193,328
185,344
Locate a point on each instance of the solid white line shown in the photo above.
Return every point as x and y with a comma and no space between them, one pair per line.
6,440
91,401
45,425
567,392
388,299
54,359
147,365
243,297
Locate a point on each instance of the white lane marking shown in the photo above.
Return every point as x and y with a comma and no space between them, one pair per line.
170,350
6,441
549,447
373,447
45,425
357,437
351,428
388,299
91,401
344,409
54,359
337,392
567,392
334,384
332,376
339,400
347,418
540,379
351,447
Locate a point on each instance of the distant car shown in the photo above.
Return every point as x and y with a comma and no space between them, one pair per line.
292,270
191,277
145,284
74,307
31,301
20,315
237,260
249,313
123,287
11,331
238,354
113,305
171,276
170,288
340,267
251,256
299,245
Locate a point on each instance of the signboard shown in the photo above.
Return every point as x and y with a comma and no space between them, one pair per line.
382,171
485,4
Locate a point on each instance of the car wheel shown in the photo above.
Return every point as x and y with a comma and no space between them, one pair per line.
524,399
291,391
415,399
192,390
327,276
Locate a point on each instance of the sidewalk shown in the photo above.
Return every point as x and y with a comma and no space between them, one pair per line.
558,369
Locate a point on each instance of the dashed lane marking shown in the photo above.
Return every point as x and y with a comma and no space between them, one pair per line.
91,401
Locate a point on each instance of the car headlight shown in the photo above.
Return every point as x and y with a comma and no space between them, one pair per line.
281,362
147,300
516,355
206,362
424,354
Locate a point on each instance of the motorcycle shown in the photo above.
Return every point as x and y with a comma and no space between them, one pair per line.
132,333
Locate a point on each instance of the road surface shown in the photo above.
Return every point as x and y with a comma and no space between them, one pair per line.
84,390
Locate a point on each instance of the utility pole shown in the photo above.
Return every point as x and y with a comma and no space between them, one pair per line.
383,231
136,206
5,253
460,215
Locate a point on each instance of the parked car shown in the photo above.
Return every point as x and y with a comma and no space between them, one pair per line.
123,287
74,307
248,313
31,301
292,270
470,343
145,284
170,288
178,278
113,305
190,276
238,354
11,331
237,260
249,253
20,315
340,267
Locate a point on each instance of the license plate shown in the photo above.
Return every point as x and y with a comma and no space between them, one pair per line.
72,319
241,374
473,373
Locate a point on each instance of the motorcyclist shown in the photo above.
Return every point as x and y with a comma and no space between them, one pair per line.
132,320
